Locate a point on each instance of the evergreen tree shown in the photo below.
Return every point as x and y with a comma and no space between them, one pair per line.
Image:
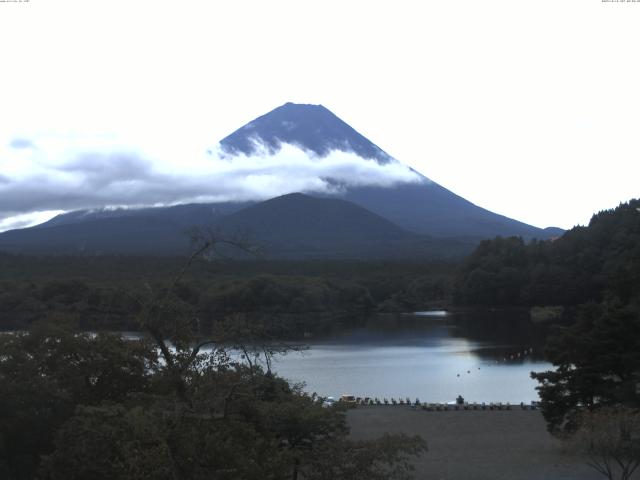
597,364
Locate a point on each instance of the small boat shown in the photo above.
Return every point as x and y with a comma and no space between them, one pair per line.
349,400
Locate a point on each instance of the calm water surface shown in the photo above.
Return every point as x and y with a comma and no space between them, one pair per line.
434,358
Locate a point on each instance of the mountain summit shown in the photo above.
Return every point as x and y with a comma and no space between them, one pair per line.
421,206
311,127
371,212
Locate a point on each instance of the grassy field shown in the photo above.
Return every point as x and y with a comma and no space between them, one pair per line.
476,445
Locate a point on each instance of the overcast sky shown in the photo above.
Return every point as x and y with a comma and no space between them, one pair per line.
528,108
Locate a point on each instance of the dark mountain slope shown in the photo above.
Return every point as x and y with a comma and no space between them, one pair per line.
424,207
431,209
297,225
300,218
132,231
183,215
363,221
130,235
291,226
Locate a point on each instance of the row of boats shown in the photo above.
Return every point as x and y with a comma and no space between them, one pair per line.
458,404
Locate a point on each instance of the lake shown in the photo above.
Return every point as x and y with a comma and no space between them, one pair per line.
485,356
432,355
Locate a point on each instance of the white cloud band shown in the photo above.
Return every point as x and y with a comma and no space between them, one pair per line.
41,178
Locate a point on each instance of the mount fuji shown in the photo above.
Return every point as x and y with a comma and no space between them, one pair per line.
421,205
362,202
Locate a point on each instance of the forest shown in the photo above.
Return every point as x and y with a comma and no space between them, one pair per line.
95,291
80,401
177,402
591,273
583,265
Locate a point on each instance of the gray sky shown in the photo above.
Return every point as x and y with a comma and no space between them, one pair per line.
529,109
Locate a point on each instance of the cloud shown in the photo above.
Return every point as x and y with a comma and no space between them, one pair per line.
26,220
20,143
100,171
64,179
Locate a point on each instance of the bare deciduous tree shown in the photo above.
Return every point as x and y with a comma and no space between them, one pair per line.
610,439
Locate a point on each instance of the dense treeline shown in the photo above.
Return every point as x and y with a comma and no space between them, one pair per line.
580,266
77,405
595,270
97,291
184,400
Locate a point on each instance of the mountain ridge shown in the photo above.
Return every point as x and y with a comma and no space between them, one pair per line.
408,216
424,207
295,226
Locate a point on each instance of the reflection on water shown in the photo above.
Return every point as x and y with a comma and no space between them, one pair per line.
432,313
434,359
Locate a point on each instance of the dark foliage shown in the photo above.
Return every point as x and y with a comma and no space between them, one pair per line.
576,268
597,364
594,270
311,296
596,359
78,406
179,402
